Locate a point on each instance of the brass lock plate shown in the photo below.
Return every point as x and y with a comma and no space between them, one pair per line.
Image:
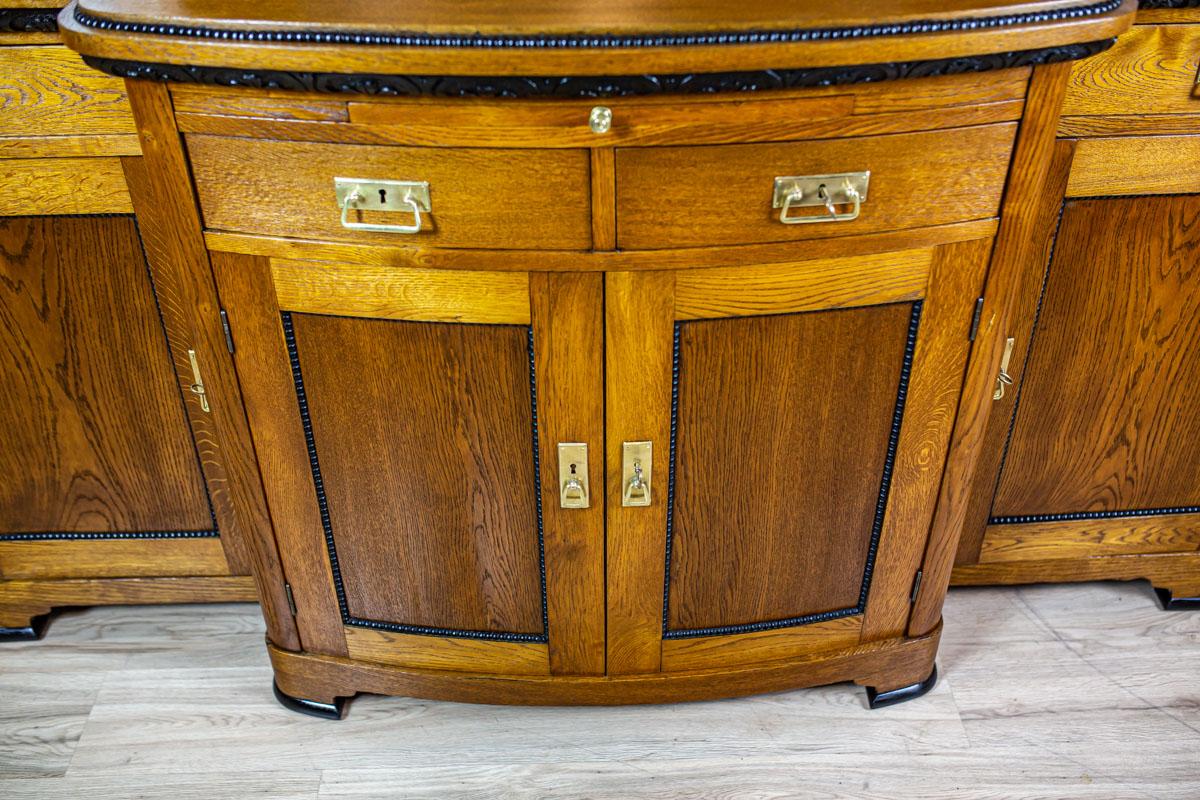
573,488
637,468
382,195
808,189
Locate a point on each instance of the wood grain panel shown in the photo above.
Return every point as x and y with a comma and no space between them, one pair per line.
1166,533
1107,417
931,404
1150,70
444,652
112,558
49,91
639,314
764,646
358,290
1174,571
568,332
805,286
95,438
479,198
82,146
595,261
695,196
1128,165
783,427
425,441
63,186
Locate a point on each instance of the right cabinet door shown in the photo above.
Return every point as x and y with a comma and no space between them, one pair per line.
797,417
1105,441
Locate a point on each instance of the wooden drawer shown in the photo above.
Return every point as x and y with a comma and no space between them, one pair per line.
1152,69
479,198
49,91
720,195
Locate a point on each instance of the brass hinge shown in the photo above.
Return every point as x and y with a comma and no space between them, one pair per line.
226,329
287,589
974,319
916,587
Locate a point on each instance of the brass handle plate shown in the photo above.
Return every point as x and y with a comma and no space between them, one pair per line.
363,195
827,191
573,475
1004,380
637,468
197,386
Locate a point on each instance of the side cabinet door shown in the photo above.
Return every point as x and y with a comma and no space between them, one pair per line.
799,416
406,424
101,477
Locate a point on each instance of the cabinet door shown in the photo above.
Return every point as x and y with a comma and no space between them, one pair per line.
406,423
100,474
799,416
1105,439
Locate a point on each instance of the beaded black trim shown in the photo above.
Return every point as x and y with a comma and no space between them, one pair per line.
289,336
1078,515
885,484
83,536
28,20
602,41
589,86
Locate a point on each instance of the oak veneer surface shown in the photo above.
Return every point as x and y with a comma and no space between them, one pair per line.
479,197
783,428
94,433
49,91
717,195
1108,412
1150,70
424,436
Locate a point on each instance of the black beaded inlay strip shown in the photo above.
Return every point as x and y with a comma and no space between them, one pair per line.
323,506
588,86
604,41
28,20
1078,515
885,484
83,536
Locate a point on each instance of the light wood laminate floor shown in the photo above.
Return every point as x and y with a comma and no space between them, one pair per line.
1049,691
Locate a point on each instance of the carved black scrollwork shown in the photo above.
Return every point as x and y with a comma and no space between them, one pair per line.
588,86
28,20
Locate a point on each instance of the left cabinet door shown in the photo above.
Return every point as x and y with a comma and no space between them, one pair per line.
406,423
101,478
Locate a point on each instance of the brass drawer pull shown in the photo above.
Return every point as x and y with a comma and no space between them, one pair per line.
1004,380
636,465
363,195
830,191
197,385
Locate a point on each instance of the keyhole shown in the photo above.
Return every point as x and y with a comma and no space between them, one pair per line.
383,197
572,470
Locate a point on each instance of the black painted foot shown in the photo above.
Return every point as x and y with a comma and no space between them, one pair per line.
1171,603
311,707
877,699
35,630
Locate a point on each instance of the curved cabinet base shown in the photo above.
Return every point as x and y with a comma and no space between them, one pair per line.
878,699
26,606
890,667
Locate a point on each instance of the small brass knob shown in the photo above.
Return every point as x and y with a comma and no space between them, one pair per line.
600,120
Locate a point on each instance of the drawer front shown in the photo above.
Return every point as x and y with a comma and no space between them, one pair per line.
478,198
49,91
1152,69
722,195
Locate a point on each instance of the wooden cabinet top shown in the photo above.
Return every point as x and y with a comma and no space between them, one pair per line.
527,38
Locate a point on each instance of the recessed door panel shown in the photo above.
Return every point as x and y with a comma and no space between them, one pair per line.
423,445
99,467
784,425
